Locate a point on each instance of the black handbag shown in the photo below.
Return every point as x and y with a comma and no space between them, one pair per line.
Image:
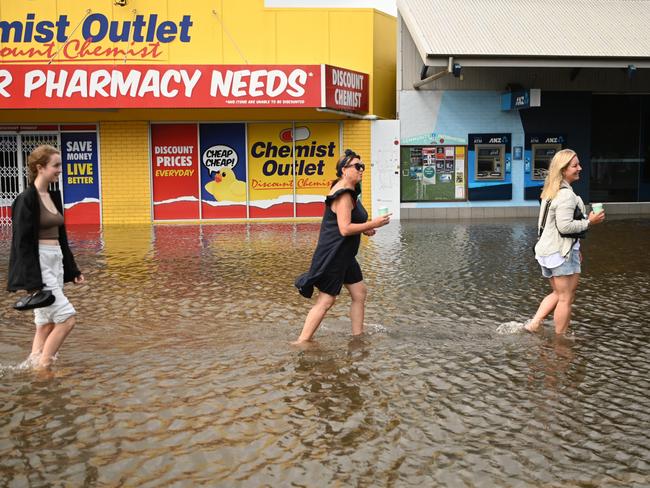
577,215
37,299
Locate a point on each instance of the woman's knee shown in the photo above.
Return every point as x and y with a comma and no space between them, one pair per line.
325,301
44,330
566,297
68,323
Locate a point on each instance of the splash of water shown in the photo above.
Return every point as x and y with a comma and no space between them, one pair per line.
375,329
27,364
512,327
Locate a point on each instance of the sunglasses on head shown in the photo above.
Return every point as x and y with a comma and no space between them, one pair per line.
358,166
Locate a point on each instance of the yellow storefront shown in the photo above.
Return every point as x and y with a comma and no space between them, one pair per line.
191,111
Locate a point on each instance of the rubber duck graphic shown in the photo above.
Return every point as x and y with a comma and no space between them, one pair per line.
226,186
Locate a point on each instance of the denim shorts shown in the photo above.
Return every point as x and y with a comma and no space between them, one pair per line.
569,267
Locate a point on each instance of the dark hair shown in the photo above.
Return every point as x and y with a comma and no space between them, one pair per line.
39,157
348,156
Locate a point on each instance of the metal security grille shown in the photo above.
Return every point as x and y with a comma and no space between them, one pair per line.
14,150
10,176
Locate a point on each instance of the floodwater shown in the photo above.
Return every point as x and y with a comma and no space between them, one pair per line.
180,372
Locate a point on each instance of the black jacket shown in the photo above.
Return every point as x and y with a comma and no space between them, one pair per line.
24,265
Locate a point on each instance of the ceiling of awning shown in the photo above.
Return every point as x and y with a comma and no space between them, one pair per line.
588,33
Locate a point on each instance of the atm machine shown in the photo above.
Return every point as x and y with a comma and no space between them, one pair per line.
538,151
489,160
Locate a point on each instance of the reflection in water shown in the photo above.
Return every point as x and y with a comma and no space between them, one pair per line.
180,372
553,364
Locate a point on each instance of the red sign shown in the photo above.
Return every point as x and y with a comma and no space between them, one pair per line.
346,90
174,167
160,86
182,86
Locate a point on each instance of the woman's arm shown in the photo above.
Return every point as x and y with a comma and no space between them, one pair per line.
24,268
566,204
343,207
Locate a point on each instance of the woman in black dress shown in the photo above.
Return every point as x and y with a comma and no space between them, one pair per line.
334,263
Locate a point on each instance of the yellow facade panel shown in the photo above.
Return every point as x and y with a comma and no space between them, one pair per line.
351,39
357,136
18,11
126,191
249,33
300,36
207,35
141,12
384,83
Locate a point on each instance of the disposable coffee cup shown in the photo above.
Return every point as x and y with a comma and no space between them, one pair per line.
382,211
596,207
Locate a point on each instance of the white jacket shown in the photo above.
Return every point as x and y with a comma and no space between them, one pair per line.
560,219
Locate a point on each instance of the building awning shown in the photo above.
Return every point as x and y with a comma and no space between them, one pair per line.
319,86
552,33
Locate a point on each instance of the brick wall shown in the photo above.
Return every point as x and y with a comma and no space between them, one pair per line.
356,136
126,189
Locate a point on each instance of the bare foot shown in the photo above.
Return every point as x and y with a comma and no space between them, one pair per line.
43,373
531,326
307,344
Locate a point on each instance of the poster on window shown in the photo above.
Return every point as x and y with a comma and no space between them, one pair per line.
79,155
174,169
270,183
317,151
223,171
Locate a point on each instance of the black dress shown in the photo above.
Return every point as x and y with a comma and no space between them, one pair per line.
334,262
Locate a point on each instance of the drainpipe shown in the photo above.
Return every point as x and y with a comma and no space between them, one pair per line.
435,76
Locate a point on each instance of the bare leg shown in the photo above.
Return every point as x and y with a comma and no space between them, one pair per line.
315,316
54,341
358,292
565,286
547,305
42,332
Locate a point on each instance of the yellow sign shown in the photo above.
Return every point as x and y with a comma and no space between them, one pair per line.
274,150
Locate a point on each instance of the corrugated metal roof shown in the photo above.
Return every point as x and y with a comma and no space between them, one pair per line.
529,28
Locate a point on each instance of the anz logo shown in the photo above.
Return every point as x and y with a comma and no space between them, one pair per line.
495,140
552,140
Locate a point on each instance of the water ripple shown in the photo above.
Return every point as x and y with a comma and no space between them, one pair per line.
180,372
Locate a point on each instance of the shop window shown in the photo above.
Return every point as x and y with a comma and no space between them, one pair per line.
490,162
433,173
616,157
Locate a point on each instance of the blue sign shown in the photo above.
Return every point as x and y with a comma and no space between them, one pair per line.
80,177
222,161
520,99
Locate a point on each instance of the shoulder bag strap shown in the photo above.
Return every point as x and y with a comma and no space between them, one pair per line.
541,227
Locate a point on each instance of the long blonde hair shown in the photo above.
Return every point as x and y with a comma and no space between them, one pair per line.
554,177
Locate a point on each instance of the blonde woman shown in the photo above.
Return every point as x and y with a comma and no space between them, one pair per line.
558,249
40,257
